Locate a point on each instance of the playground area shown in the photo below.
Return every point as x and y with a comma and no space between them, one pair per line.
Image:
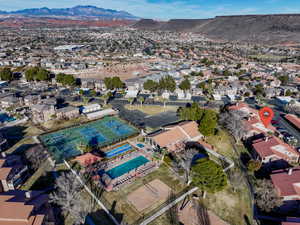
149,194
67,143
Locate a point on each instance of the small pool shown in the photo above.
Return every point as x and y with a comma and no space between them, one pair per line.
118,150
140,145
127,167
5,118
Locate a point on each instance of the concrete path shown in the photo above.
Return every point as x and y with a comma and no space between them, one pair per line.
167,207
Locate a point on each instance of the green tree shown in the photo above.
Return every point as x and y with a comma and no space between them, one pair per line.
284,79
208,176
194,113
288,92
185,85
202,85
30,73
65,79
93,93
238,66
167,83
42,75
6,74
253,165
113,83
208,123
150,85
141,100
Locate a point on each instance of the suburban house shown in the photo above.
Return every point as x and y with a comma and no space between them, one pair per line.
272,148
252,122
68,112
30,100
174,137
9,101
287,183
42,113
24,208
12,172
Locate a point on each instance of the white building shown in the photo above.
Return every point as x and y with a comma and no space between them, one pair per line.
91,108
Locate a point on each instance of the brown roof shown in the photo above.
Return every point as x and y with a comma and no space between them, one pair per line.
15,209
293,119
273,146
87,159
4,172
285,184
176,133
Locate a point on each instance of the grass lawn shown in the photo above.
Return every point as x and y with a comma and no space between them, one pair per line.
231,205
151,109
118,199
222,144
60,124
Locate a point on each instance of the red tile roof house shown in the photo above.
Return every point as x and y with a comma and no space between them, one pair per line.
12,172
24,208
287,183
253,124
269,149
174,137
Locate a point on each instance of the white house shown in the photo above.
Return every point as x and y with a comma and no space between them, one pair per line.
91,108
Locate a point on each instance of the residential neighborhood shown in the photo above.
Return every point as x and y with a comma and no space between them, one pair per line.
119,125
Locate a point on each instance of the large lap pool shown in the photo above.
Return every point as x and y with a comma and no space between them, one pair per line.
117,151
127,167
5,118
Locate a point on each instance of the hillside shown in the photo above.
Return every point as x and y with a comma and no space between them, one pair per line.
251,28
77,11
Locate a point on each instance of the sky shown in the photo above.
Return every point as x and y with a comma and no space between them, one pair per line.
169,9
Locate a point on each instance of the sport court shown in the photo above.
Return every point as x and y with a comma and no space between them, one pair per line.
65,143
149,194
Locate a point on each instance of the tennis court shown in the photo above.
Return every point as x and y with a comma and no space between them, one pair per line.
65,143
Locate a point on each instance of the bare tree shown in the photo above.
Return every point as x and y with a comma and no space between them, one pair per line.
36,156
233,122
186,162
265,193
68,197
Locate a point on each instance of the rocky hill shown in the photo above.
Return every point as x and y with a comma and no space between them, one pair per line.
77,11
279,28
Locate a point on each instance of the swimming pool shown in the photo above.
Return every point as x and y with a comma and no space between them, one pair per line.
127,167
118,150
140,145
5,118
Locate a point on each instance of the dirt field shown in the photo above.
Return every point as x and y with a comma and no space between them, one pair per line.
145,196
123,70
151,109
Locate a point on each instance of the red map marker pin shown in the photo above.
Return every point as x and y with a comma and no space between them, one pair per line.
266,115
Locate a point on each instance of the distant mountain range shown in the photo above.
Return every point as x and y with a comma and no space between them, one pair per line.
90,12
268,29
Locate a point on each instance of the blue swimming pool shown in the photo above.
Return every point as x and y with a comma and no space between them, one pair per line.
140,145
127,167
5,118
118,150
